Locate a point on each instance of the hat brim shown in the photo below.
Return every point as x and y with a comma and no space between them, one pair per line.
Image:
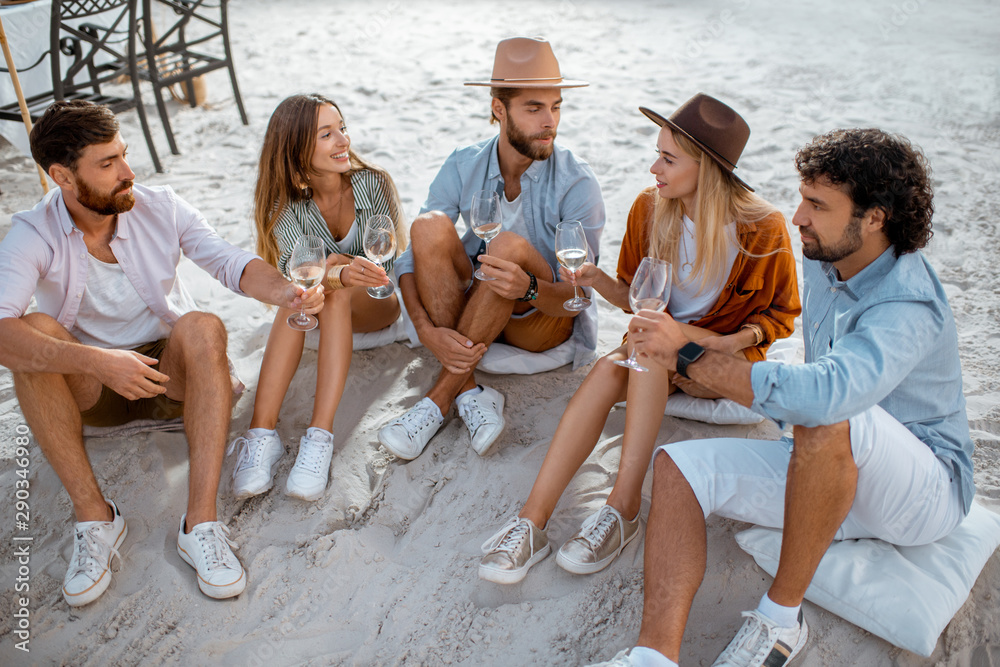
564,83
721,161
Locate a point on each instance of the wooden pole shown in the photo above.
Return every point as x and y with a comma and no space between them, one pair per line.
25,116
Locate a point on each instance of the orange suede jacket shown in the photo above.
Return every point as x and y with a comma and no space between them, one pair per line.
760,290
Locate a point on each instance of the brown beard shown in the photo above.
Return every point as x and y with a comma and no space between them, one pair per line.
849,243
521,142
103,204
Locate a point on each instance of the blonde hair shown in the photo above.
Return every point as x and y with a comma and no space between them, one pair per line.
719,201
286,165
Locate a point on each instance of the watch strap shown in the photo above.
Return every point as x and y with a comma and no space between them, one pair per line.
687,355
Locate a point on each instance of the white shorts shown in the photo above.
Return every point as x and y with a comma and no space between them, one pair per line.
905,494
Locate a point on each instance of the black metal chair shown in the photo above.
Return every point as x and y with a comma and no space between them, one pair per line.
101,54
177,54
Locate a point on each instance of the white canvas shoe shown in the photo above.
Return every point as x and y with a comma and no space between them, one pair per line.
483,416
761,641
406,436
255,463
308,477
207,549
95,544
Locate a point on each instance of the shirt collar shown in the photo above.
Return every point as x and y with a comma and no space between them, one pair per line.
534,170
867,278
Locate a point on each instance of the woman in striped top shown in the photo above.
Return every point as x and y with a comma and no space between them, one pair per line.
310,181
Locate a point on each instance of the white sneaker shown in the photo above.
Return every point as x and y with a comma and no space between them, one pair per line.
406,436
95,544
258,457
762,642
308,477
483,415
207,549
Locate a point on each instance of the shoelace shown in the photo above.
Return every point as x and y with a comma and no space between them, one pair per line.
596,527
418,417
472,414
508,538
751,639
89,555
210,540
311,455
250,451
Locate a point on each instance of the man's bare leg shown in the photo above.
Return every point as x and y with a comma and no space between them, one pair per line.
819,493
440,267
195,360
51,404
674,559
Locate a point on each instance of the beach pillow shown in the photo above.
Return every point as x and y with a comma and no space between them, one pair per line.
503,359
905,595
399,330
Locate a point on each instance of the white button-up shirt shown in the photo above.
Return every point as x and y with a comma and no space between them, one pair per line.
44,255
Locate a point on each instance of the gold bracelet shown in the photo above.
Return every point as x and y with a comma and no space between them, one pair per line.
333,276
758,333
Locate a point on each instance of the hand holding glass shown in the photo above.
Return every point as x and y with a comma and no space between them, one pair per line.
380,244
571,251
306,267
486,221
650,290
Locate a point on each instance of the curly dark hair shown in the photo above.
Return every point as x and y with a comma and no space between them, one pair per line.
875,168
66,128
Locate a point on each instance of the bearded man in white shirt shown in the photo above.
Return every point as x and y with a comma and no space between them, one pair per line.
116,337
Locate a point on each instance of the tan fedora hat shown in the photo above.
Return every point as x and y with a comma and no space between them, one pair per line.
713,126
526,62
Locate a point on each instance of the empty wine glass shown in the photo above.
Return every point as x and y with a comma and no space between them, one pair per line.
650,290
571,251
486,221
380,244
305,268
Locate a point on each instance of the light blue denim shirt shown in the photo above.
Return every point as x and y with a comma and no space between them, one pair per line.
886,336
563,187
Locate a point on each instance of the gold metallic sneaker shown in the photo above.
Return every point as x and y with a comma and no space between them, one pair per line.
602,537
512,551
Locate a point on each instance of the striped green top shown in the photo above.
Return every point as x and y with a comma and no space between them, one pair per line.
371,197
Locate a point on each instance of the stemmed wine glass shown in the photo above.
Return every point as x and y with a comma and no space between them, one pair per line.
650,290
571,251
380,244
486,221
305,268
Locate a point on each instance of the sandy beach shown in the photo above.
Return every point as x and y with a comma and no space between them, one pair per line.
382,570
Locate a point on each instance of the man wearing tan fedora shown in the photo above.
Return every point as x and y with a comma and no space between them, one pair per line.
516,299
880,444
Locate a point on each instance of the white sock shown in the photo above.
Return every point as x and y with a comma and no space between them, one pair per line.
437,410
467,394
261,432
786,617
643,656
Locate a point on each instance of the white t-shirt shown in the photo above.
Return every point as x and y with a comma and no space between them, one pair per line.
112,314
512,217
686,305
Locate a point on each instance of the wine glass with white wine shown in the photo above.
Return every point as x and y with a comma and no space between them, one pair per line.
380,244
305,268
571,251
650,290
486,221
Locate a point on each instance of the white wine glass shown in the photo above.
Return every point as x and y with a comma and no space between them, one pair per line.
380,244
305,268
486,221
571,251
650,290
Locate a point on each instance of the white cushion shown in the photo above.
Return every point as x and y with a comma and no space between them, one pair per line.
398,330
503,359
905,595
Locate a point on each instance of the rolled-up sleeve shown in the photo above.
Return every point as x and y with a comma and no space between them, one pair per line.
444,194
203,245
583,202
860,370
23,259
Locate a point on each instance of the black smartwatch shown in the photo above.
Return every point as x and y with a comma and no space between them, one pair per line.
686,356
532,292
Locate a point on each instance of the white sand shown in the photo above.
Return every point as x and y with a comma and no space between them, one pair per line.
382,569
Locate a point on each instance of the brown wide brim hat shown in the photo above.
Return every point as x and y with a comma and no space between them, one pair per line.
526,62
716,129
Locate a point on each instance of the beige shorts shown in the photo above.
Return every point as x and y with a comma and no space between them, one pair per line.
535,331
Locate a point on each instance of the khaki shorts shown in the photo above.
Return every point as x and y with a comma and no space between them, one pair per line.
113,409
536,332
